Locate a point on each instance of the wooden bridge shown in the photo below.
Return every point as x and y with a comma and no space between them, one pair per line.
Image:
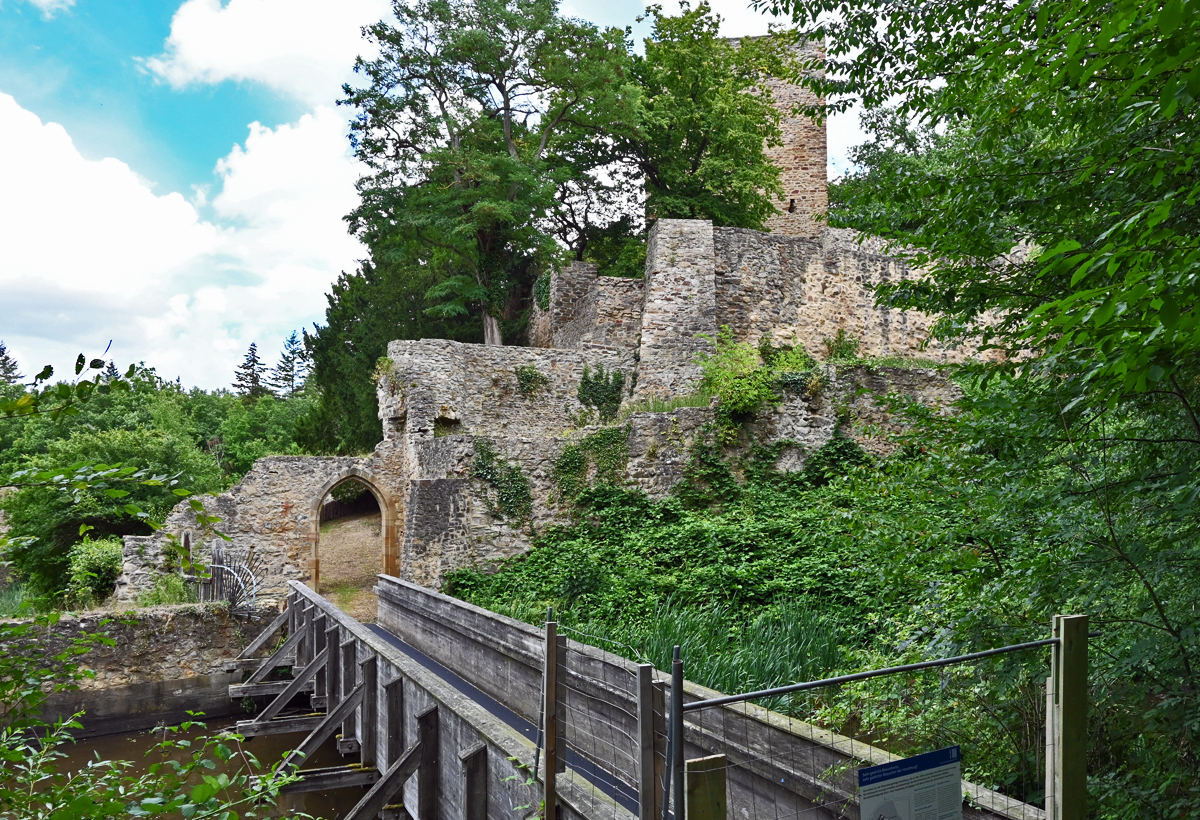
450,712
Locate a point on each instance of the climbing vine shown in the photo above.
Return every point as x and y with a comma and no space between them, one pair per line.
506,490
603,454
541,291
530,380
602,391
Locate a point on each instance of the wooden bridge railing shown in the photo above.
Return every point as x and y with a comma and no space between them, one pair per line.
422,748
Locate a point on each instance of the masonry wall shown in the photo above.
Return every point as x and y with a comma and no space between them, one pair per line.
802,159
164,661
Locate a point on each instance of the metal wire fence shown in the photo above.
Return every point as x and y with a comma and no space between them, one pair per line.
631,748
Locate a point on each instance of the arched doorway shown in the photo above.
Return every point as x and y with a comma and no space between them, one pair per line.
353,535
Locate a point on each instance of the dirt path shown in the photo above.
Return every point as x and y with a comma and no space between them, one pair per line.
350,550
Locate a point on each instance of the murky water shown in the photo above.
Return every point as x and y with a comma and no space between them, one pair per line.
140,748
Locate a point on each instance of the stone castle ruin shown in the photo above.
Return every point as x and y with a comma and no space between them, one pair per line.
467,427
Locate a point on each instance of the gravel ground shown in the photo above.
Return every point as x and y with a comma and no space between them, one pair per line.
350,551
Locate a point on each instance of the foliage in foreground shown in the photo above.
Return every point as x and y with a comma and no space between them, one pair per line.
977,531
199,777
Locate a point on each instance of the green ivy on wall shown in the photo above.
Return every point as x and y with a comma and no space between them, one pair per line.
507,493
530,380
602,391
604,454
541,291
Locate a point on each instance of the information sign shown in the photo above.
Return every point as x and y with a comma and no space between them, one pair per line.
925,787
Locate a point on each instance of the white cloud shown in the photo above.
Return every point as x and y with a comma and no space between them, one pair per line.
90,253
51,7
302,48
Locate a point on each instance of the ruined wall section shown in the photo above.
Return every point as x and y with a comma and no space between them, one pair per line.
679,308
802,158
795,289
273,511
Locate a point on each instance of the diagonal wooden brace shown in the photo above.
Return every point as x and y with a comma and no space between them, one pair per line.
293,688
387,786
326,727
264,636
288,646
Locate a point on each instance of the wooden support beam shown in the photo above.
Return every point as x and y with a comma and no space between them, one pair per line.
279,726
288,649
1070,718
428,774
325,728
293,688
645,724
265,636
333,665
248,664
336,777
394,703
385,789
704,787
368,720
271,688
319,644
349,681
474,768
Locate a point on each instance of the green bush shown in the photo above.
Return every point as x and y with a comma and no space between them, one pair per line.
169,588
94,567
734,374
506,490
602,391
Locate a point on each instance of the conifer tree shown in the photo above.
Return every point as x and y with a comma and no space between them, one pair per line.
8,367
288,377
110,371
248,379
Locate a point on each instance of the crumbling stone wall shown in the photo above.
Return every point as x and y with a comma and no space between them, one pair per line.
802,158
679,310
164,661
440,398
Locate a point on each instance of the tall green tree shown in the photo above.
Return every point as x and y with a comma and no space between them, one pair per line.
705,117
367,309
9,370
459,124
290,372
249,379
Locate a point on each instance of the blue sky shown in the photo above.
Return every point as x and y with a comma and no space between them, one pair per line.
173,174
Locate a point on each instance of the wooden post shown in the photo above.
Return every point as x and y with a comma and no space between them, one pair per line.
705,779
319,699
333,668
1070,674
349,681
368,720
427,774
474,767
560,702
394,695
550,720
645,718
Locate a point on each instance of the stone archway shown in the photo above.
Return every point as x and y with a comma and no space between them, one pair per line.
387,510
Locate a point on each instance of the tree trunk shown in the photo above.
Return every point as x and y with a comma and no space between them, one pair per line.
491,330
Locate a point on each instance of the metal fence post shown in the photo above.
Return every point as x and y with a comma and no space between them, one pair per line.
676,762
1070,693
550,720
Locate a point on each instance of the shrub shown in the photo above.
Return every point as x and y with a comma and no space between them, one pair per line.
733,373
602,391
94,567
169,588
530,380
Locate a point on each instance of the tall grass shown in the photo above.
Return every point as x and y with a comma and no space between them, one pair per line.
786,644
14,603
701,398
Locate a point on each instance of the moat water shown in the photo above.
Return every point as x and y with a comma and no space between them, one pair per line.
140,748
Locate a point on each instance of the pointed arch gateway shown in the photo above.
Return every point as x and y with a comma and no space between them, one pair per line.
390,554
